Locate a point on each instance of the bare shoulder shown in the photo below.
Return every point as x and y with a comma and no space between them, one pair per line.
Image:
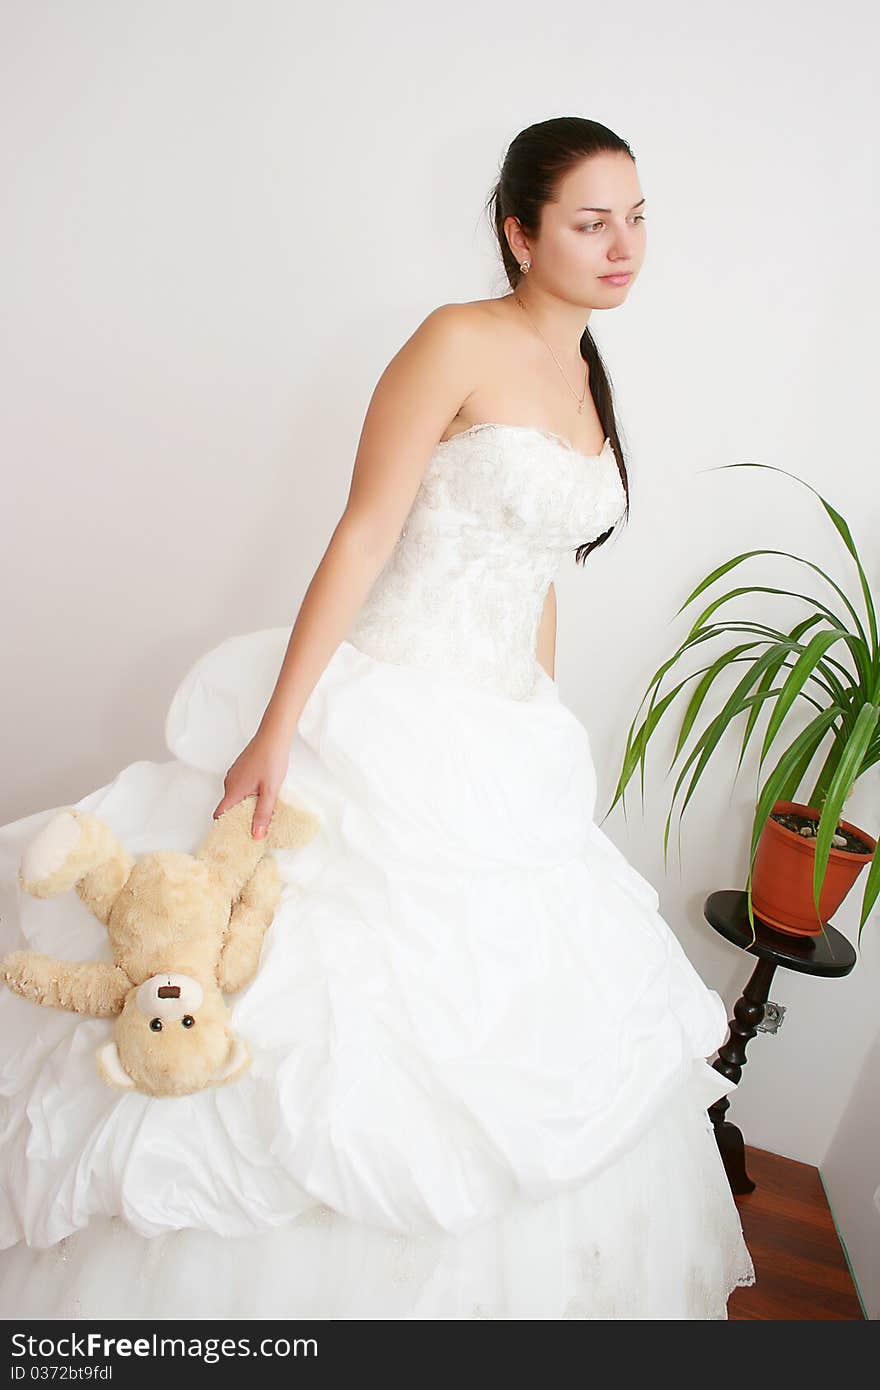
451,343
457,323
436,369
481,329
419,392
474,315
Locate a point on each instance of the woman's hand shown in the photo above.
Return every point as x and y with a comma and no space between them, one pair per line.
258,770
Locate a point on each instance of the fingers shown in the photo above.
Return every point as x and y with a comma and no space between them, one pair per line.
266,796
228,801
263,813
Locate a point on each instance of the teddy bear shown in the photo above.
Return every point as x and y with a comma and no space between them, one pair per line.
184,930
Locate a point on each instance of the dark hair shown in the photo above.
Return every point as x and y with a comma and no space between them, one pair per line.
535,163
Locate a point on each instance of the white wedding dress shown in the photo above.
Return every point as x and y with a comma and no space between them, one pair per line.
480,1077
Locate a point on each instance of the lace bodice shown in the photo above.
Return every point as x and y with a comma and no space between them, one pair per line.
497,509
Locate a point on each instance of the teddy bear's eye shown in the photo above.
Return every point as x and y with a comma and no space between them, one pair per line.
187,1020
156,1025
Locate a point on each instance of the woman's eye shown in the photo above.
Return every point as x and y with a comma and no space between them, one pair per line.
639,217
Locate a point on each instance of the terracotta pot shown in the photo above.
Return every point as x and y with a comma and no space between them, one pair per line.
782,877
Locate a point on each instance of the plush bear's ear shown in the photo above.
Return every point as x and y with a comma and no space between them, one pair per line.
237,1061
111,1067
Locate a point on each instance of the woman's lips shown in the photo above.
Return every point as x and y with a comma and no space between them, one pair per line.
617,279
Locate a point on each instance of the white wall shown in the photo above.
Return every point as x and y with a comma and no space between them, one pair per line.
851,1174
223,219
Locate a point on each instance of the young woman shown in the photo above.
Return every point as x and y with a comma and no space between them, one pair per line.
480,1056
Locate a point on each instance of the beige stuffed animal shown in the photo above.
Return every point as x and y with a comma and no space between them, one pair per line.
184,929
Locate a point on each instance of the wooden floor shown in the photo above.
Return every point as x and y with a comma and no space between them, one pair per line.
800,1267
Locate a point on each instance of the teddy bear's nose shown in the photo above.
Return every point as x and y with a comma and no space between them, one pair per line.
169,991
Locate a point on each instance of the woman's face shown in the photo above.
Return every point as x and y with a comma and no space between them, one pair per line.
594,229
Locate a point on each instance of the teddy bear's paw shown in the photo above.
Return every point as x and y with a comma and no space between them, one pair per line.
48,852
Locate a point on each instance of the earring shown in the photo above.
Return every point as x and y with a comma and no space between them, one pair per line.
525,267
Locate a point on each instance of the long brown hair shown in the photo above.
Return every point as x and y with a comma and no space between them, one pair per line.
535,163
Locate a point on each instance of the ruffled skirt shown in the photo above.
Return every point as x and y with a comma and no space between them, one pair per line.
479,1078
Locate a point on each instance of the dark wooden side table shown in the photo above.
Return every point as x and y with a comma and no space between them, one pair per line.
829,954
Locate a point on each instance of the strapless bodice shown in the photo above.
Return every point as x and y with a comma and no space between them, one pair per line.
464,587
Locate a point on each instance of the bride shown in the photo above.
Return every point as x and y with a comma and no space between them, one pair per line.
480,1057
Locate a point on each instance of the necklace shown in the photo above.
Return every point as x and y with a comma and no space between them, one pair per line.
580,399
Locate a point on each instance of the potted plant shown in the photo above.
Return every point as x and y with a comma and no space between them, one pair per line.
803,857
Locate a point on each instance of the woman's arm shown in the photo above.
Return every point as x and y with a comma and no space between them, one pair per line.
420,391
546,643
